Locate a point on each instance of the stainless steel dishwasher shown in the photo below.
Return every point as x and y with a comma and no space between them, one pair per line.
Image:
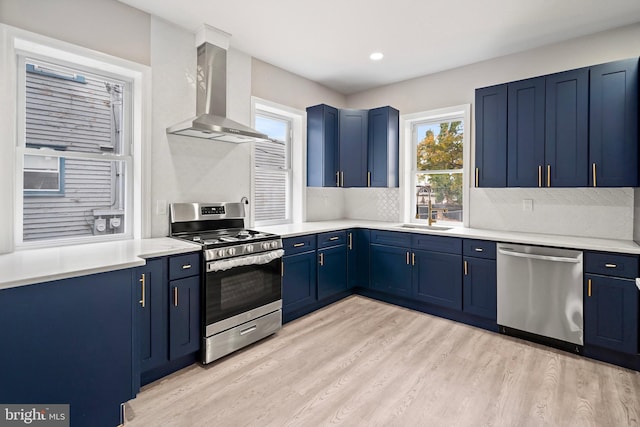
540,293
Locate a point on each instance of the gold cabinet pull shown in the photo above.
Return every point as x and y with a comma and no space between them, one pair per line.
407,257
342,179
413,258
298,245
611,265
539,175
175,296
589,287
334,238
593,167
321,258
477,175
369,179
281,268
186,266
466,268
548,175
142,281
338,179
350,241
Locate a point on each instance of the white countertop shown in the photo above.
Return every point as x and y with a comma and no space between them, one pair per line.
30,266
585,243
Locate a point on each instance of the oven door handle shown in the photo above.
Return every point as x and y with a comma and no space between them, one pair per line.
261,258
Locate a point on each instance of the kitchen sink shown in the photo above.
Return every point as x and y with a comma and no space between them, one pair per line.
426,227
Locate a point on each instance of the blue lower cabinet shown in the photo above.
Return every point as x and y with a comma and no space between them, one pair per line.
390,270
150,284
479,293
299,281
70,342
611,313
437,278
184,317
332,271
357,258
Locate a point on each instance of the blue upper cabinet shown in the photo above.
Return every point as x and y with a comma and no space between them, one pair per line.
322,146
491,136
382,148
613,124
353,148
566,129
525,135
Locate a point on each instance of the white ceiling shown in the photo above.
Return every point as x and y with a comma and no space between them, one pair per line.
329,41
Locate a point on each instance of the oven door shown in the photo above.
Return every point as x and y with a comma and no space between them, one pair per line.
240,285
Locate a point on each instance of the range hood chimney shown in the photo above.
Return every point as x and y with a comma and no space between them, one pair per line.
211,120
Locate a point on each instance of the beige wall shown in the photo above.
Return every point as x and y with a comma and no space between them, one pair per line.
104,25
277,85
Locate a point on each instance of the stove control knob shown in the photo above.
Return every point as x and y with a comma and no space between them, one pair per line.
231,251
265,245
221,252
274,245
249,248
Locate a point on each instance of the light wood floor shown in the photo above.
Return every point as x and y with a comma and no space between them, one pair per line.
361,362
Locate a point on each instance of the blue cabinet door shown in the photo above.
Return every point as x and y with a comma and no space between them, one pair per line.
353,148
525,137
184,317
332,271
70,341
322,146
491,136
566,128
150,283
479,295
611,313
357,258
390,270
382,147
437,278
613,124
299,281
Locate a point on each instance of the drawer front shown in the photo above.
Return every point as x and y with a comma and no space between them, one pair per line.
391,238
298,244
451,245
609,264
184,266
479,248
333,238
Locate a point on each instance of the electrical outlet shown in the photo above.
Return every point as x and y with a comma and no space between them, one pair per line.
527,205
161,207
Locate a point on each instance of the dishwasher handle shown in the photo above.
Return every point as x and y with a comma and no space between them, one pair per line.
512,252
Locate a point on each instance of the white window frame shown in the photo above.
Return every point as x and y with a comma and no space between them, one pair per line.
23,44
297,152
408,156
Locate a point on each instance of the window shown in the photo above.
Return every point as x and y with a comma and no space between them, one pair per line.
272,169
437,167
74,150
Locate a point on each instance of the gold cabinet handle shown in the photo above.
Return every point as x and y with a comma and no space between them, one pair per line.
175,296
298,245
321,258
549,175
338,179
466,268
407,257
350,241
369,179
539,175
186,266
477,175
611,265
478,249
589,287
334,238
593,167
413,258
281,268
342,179
142,281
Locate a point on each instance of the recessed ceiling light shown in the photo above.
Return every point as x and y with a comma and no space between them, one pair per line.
376,56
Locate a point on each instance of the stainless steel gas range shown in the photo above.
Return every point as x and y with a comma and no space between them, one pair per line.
242,275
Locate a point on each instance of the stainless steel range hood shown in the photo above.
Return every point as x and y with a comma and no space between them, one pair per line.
210,121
